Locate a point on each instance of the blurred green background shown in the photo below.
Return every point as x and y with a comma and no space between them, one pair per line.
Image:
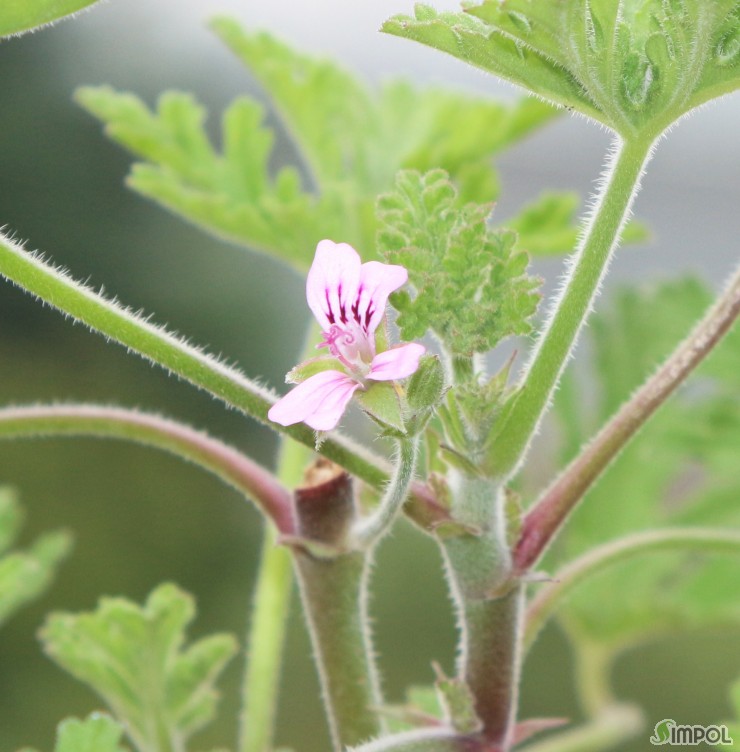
140,517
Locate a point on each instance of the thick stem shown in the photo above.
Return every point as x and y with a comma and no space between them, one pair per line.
547,601
334,599
489,604
427,740
613,727
334,594
548,514
185,442
370,530
560,334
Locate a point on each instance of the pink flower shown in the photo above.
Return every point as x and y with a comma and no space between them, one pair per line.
348,299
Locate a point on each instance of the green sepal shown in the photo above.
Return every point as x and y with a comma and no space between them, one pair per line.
458,703
19,16
454,529
314,548
421,710
426,387
383,403
513,512
311,367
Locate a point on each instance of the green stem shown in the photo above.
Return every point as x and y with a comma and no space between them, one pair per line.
612,728
269,622
559,336
265,644
370,530
548,514
227,463
112,320
489,602
335,605
334,594
550,597
427,740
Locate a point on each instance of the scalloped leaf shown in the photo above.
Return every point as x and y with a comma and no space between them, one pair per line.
25,575
135,659
452,255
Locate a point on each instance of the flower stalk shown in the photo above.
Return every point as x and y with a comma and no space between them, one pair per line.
546,517
369,531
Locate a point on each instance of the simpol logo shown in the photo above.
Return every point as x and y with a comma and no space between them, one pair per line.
668,731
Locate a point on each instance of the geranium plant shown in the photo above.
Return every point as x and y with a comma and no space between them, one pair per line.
413,283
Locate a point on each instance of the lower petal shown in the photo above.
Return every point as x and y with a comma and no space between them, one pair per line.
320,401
396,363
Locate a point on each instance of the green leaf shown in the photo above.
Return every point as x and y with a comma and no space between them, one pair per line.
549,226
636,66
135,659
25,575
352,140
680,470
17,16
97,733
230,193
452,255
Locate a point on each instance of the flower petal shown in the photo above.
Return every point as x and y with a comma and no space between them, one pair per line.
319,401
377,282
332,283
396,363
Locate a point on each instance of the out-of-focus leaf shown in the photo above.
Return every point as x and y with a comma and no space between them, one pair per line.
97,733
549,226
453,255
135,659
17,16
680,470
25,575
353,141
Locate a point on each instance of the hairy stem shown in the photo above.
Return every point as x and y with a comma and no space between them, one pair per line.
334,593
427,740
613,727
112,320
227,463
370,530
560,334
545,518
489,604
549,598
334,600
